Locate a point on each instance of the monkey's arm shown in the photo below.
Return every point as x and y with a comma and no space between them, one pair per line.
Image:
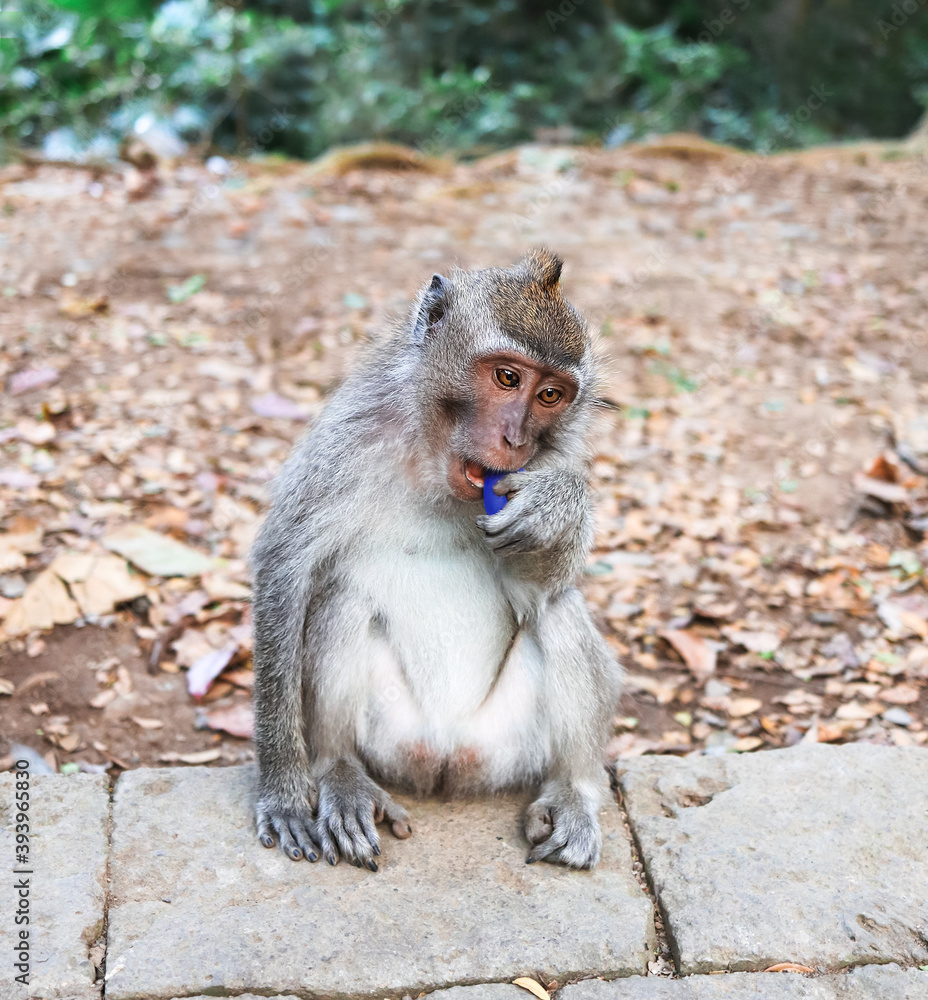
545,530
582,682
281,697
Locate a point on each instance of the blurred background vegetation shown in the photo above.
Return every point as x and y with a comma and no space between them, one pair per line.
464,76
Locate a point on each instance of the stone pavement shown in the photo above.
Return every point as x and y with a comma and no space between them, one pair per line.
815,855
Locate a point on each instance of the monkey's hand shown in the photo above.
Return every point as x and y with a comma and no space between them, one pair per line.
548,513
350,806
287,823
563,824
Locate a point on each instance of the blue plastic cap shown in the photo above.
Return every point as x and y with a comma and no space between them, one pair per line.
492,503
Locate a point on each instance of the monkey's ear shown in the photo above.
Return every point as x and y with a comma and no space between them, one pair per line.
433,305
545,267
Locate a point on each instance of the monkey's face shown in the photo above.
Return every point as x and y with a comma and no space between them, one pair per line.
515,402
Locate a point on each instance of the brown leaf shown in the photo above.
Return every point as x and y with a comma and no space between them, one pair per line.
76,307
738,708
43,677
45,603
97,580
146,723
890,492
237,720
698,654
663,691
198,757
902,694
241,677
755,642
883,469
854,711
103,698
533,987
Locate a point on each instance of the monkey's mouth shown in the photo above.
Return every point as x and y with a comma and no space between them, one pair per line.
475,474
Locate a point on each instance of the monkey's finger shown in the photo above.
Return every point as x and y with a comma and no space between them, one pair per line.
366,819
305,841
515,543
398,819
361,849
511,483
538,823
378,814
554,843
288,843
343,838
326,845
266,833
493,524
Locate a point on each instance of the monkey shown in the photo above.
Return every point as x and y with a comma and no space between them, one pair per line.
401,636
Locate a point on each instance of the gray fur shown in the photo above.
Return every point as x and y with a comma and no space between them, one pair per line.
403,635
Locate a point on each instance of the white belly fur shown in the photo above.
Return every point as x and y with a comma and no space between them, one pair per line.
435,692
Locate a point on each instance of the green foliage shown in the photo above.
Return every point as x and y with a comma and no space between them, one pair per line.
297,76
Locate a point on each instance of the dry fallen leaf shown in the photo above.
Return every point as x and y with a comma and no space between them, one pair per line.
34,680
855,711
97,581
146,723
902,694
207,668
664,691
890,492
698,653
755,642
16,545
103,698
241,677
533,987
159,555
738,708
237,720
6,687
198,757
45,603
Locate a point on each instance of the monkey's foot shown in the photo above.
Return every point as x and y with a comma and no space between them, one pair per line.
289,826
563,824
350,806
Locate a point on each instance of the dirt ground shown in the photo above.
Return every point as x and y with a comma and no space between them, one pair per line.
759,455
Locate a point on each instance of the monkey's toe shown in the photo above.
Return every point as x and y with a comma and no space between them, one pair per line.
288,830
575,840
538,823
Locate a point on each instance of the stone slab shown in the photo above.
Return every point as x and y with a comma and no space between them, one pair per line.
874,982
816,855
197,905
69,819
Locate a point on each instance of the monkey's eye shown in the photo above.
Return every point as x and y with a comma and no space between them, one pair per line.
507,379
550,396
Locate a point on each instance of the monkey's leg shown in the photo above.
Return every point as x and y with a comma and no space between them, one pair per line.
350,806
581,691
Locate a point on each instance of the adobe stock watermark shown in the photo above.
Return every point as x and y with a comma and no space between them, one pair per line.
899,15
564,10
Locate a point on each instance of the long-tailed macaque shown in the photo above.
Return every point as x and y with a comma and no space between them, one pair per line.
404,636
